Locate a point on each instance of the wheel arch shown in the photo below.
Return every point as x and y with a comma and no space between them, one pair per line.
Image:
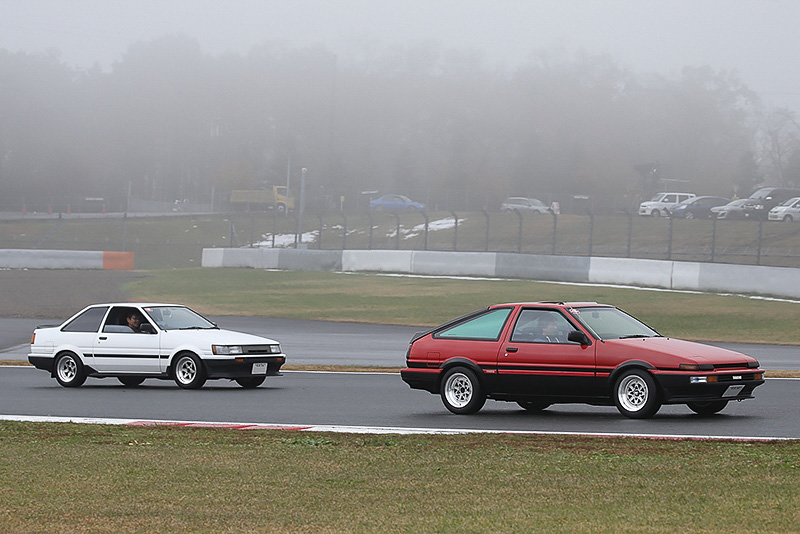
67,350
629,366
460,362
177,354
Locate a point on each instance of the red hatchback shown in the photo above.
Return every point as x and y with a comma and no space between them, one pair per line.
541,353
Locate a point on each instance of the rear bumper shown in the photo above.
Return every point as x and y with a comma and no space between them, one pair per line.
425,379
42,362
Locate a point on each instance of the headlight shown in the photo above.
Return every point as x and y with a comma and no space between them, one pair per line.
226,349
275,349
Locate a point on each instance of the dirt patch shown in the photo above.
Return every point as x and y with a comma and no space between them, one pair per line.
45,293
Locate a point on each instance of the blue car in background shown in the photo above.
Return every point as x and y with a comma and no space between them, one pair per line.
698,207
395,203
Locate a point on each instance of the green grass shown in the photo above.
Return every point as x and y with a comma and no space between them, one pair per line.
380,299
158,479
177,242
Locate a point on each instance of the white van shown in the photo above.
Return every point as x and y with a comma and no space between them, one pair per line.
662,203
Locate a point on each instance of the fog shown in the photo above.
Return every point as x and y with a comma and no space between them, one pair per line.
459,103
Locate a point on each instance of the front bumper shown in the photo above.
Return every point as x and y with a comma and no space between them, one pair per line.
242,366
678,388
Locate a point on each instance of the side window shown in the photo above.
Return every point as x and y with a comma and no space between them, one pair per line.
541,326
668,199
117,321
485,327
88,321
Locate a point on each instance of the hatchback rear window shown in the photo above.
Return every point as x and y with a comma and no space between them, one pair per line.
486,327
88,321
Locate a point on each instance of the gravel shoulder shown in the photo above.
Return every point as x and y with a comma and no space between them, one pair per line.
45,293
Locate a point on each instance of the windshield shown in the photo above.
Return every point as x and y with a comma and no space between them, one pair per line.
657,197
177,318
611,323
761,193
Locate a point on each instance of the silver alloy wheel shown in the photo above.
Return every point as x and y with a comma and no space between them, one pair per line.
67,369
458,390
185,370
633,393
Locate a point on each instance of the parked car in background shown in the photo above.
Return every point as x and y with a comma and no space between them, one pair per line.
661,203
395,203
134,342
788,211
697,207
542,353
744,208
524,205
769,197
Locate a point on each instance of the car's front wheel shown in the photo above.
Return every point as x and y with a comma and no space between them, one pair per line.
707,408
461,391
189,371
788,218
655,213
250,382
636,395
69,370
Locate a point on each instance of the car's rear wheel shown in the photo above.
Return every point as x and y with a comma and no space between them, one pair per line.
636,395
131,381
189,371
533,406
689,215
250,382
707,408
461,391
69,370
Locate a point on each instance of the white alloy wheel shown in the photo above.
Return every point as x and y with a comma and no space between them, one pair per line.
632,393
458,390
461,391
69,371
635,394
189,372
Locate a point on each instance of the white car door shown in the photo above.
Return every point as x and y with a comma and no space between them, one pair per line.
118,349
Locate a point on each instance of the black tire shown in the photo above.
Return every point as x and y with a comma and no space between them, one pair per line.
788,218
250,382
655,213
461,391
188,371
69,370
707,408
689,215
533,406
131,381
636,395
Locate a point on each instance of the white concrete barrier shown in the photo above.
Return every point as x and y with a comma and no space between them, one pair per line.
384,261
628,271
454,263
65,259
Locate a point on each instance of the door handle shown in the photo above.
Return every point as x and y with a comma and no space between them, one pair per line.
103,338
511,349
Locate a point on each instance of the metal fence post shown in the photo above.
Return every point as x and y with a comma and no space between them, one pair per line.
555,228
455,228
486,242
397,234
591,230
519,230
344,231
371,224
274,227
319,238
758,253
713,237
425,240
630,231
124,228
669,243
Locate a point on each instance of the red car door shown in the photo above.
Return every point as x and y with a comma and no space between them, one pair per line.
537,359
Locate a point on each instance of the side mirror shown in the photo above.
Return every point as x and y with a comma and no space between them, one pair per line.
577,336
147,329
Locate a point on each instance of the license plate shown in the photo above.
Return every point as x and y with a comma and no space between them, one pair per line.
732,391
260,368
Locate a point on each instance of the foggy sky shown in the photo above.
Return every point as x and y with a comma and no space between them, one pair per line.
756,38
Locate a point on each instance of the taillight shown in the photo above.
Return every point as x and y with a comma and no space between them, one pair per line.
33,338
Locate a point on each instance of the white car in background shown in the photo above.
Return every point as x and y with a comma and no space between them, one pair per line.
788,211
170,342
661,204
524,205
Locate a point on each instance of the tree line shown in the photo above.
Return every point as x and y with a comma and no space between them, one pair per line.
168,122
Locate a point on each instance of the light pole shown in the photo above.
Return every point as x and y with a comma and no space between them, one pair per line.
303,172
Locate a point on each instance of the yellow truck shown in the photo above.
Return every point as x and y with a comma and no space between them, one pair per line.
274,198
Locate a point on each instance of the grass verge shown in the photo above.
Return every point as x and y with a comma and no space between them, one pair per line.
380,299
148,479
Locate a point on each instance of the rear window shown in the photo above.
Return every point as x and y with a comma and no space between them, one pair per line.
486,327
88,321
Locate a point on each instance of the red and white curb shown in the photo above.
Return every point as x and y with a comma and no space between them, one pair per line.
344,429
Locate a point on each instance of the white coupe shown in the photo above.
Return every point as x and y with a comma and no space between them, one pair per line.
133,342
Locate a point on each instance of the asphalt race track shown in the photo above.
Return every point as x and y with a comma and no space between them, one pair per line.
369,399
377,400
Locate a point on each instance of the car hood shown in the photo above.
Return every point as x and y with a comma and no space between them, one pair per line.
689,351
219,337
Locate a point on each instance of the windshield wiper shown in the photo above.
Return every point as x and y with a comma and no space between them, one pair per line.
631,336
196,328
